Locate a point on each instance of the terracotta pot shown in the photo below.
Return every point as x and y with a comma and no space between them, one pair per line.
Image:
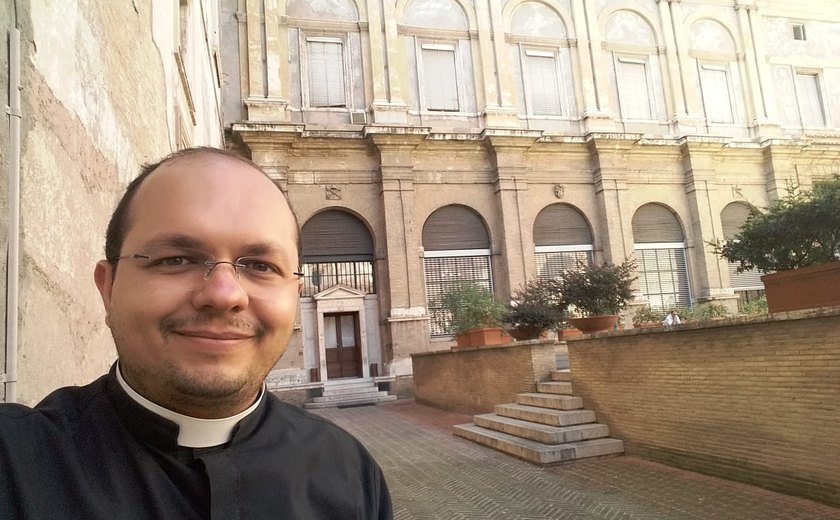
526,333
595,323
804,288
482,336
570,332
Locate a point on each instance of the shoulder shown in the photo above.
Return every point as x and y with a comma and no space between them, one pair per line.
60,410
300,424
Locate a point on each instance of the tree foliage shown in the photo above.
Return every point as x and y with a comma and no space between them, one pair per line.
538,305
471,306
797,230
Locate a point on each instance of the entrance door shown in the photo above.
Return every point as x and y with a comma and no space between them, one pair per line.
341,338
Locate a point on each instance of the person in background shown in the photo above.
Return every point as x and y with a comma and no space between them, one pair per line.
671,318
200,285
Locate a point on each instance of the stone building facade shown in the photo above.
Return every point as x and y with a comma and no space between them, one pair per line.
426,142
104,87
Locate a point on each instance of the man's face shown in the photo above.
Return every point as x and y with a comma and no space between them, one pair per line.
200,346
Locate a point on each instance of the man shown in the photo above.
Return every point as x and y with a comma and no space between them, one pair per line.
671,318
200,291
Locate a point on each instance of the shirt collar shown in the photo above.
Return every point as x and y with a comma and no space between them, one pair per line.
193,432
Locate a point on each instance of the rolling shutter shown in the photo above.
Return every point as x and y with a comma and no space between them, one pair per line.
440,78
561,225
633,89
655,223
452,228
326,73
543,83
334,236
732,218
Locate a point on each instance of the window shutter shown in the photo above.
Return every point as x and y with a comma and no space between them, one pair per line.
335,236
655,223
715,86
633,89
810,100
326,74
561,225
543,82
454,228
732,218
440,78
663,277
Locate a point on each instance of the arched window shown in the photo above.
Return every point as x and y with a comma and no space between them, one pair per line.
713,49
747,285
456,250
660,253
636,71
336,249
327,60
543,70
440,59
562,240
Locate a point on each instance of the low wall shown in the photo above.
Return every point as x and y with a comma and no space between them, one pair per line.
756,401
472,381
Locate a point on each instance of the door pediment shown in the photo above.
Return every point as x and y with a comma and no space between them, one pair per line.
339,292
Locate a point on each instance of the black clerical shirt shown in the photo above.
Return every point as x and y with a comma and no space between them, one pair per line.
92,452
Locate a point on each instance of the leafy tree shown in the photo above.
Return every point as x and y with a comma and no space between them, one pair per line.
799,229
596,290
537,305
471,306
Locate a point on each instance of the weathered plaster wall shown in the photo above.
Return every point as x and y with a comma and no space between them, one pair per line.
101,90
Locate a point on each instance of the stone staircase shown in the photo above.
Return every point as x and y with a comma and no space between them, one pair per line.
545,427
349,392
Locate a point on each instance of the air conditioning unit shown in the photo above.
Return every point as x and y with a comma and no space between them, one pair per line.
358,118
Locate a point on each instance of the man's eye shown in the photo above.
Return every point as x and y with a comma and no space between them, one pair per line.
174,261
259,266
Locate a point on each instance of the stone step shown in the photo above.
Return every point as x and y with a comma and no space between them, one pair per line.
561,375
350,402
349,383
545,415
541,432
555,387
555,402
537,452
349,396
349,389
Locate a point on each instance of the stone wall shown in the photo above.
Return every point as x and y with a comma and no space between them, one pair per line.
472,381
748,400
100,92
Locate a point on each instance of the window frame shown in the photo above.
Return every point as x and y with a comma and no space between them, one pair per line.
822,99
730,91
801,29
526,51
305,71
640,60
442,45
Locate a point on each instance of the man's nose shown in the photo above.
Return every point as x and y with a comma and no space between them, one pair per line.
221,289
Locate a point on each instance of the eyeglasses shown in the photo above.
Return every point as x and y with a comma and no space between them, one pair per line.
256,275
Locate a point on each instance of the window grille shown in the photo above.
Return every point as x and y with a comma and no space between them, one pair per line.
320,276
443,273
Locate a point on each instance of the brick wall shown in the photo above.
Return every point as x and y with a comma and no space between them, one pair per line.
472,381
751,400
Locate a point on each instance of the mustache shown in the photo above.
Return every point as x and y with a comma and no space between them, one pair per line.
171,324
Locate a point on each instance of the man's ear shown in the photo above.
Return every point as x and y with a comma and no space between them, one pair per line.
103,275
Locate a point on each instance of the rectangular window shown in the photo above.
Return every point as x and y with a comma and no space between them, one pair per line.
440,84
810,100
543,83
326,72
633,89
798,31
716,98
663,277
445,273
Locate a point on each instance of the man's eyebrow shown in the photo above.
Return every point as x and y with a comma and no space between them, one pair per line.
175,240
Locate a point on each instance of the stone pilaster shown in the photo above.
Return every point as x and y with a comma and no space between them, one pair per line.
508,149
599,119
391,108
267,62
757,72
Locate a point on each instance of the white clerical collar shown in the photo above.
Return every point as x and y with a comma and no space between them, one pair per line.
193,432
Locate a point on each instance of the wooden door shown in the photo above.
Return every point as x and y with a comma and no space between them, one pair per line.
341,337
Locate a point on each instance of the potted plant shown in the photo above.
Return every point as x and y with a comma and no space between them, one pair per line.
711,311
797,241
475,316
595,294
536,308
646,317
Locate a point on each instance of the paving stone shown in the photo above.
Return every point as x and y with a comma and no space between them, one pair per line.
433,474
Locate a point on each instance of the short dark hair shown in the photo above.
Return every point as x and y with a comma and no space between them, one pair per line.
120,224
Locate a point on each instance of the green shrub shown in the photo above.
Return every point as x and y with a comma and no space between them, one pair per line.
646,315
710,311
470,306
596,290
537,305
755,307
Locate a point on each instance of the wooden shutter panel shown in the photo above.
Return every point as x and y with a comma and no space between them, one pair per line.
633,89
561,225
440,78
334,236
716,94
543,82
326,74
655,223
453,228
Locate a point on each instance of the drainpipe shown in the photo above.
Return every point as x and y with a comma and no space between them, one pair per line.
13,253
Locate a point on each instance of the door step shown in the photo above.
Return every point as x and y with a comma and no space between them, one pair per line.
349,392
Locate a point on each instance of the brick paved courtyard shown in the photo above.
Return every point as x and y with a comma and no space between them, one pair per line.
434,475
